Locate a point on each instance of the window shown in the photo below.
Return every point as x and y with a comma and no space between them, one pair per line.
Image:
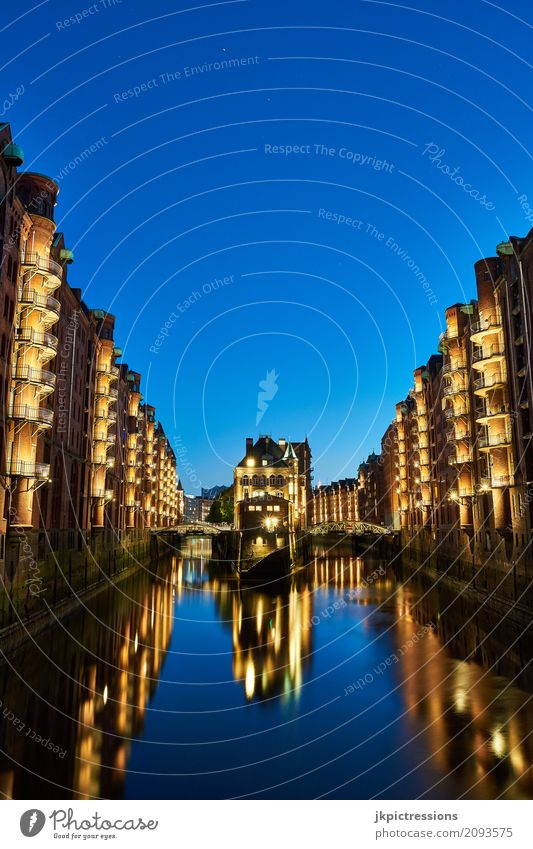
272,480
280,480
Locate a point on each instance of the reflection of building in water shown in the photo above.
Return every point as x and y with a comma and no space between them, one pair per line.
98,695
116,696
478,730
271,640
272,633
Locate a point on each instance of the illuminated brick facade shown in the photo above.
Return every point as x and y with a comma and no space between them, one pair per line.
79,451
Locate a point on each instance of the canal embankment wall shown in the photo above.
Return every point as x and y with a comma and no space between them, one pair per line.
45,572
491,577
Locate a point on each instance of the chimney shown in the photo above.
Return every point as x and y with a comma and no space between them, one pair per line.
282,443
249,446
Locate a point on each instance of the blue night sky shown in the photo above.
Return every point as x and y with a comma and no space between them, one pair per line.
191,183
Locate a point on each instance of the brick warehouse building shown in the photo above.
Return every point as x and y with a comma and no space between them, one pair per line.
70,411
461,440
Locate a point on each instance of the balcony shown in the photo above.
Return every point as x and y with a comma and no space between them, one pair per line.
50,306
103,494
114,373
450,368
460,459
484,326
103,368
104,437
50,269
452,413
36,376
494,440
488,355
36,415
36,338
485,414
482,385
23,469
499,481
454,389
113,393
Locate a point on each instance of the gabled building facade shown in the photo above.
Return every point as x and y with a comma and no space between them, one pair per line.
273,482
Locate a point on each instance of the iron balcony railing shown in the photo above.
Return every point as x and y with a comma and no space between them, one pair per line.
488,381
106,494
488,413
25,469
29,297
454,389
29,336
32,414
493,440
449,368
498,481
460,459
103,437
487,353
41,263
492,322
34,375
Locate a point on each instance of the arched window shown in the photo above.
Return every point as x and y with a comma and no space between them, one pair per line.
245,480
280,480
255,480
272,480
262,481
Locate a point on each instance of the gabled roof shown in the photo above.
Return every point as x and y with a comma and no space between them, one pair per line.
289,453
266,448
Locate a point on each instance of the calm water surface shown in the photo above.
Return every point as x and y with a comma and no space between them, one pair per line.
345,682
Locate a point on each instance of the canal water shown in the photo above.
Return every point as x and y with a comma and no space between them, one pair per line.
347,681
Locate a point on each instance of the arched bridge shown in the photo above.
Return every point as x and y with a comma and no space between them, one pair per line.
194,529
358,528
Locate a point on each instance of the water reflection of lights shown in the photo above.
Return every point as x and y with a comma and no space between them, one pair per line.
498,743
460,700
249,680
473,729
